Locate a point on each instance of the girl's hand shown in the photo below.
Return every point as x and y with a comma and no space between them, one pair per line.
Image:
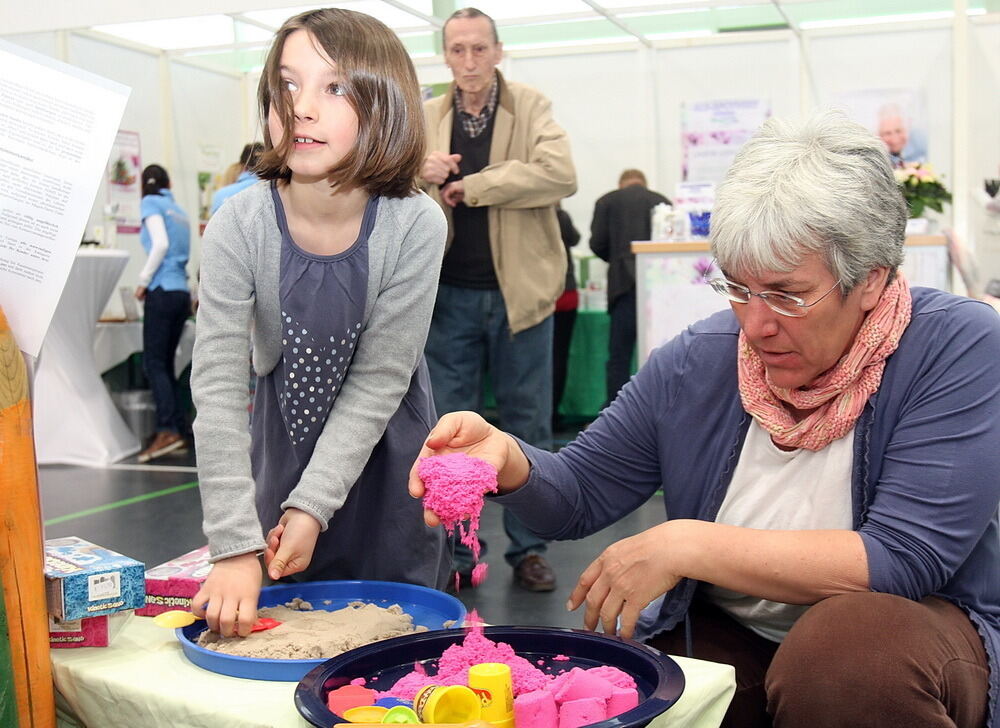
469,433
232,587
290,544
624,579
140,292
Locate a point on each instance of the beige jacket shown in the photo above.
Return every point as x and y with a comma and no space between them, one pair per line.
529,171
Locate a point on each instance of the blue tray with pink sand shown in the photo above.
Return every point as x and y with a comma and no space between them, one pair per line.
429,608
659,680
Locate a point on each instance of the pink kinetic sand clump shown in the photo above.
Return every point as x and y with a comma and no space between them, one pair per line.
454,488
479,573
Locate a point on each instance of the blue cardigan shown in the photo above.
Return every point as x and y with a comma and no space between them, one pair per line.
926,471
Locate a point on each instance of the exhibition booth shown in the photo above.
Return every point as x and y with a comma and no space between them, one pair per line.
675,105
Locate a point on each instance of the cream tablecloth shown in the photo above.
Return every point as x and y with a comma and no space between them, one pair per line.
143,679
114,342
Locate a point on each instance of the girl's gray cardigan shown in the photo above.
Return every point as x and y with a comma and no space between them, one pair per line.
239,299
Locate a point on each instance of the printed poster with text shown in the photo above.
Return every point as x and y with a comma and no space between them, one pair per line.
712,132
124,185
57,125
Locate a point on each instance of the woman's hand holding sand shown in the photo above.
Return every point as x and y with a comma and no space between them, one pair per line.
467,432
231,589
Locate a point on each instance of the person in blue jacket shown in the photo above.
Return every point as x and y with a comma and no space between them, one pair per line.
828,452
163,289
247,177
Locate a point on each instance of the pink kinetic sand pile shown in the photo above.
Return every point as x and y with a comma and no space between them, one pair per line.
568,700
454,488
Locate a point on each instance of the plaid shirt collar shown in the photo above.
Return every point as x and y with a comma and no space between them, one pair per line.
476,125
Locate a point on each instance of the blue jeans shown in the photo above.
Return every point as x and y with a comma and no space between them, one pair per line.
164,314
469,335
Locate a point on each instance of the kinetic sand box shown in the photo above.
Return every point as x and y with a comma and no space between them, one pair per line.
86,580
173,584
86,632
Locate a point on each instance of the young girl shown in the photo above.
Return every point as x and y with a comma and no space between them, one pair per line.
331,266
163,289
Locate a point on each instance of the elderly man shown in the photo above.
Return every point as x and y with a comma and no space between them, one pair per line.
894,130
497,163
827,452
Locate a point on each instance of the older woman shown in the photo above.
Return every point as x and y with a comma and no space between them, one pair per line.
828,452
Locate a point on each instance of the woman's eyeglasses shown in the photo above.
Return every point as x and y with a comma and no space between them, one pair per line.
783,303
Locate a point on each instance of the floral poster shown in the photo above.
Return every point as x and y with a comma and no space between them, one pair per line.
124,185
712,132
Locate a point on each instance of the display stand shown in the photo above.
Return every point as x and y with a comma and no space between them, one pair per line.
21,548
672,293
76,423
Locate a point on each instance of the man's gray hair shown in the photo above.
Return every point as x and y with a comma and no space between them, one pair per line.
824,185
471,13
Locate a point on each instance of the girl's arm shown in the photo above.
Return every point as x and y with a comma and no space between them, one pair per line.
410,233
157,251
220,385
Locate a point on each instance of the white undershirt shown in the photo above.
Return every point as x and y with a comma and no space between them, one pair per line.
789,491
157,250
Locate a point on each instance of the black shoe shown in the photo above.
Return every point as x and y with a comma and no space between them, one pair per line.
535,574
463,580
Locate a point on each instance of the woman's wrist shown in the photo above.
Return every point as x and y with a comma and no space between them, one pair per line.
516,469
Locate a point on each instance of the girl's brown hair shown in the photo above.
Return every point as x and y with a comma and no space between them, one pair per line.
379,82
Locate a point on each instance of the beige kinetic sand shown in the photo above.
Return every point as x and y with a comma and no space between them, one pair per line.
308,634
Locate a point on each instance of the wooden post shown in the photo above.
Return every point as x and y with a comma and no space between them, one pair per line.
21,547
8,703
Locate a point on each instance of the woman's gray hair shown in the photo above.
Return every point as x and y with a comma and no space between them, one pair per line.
824,185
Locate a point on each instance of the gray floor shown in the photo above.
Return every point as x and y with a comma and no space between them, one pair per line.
152,513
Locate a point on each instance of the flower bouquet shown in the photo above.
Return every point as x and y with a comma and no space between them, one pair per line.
921,188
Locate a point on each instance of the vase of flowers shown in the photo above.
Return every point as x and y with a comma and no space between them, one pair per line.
921,188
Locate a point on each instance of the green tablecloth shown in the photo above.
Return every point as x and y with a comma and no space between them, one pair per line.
588,357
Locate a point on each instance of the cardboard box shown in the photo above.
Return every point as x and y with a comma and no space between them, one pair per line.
86,580
173,584
86,632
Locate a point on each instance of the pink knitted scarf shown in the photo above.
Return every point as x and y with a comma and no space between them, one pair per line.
837,396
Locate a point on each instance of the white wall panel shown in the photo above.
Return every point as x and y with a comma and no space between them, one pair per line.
761,70
143,113
916,59
39,42
602,100
984,143
208,109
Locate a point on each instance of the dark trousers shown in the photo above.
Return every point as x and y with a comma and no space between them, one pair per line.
863,659
469,334
562,335
621,343
164,314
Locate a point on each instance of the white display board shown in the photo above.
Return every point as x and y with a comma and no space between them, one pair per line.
672,294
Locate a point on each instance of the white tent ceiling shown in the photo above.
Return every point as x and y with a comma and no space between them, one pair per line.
232,34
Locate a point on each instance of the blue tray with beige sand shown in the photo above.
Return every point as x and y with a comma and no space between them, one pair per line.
658,678
429,608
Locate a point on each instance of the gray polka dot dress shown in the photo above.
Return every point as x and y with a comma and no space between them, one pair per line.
322,307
